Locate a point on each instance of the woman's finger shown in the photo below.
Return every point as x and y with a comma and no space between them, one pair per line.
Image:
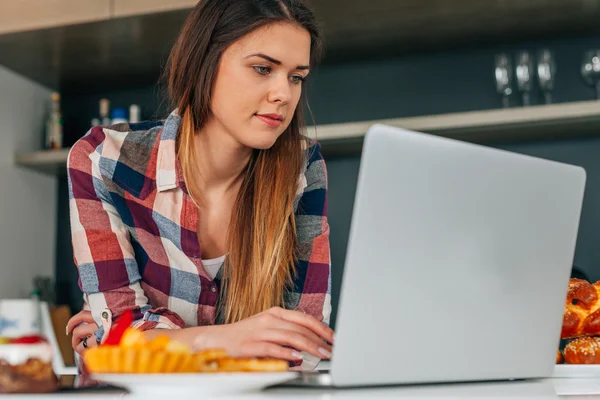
295,340
90,342
305,320
81,332
80,317
293,327
266,349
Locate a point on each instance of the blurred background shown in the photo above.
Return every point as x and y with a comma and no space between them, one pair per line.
513,74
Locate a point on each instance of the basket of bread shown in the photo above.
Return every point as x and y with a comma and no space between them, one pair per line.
581,324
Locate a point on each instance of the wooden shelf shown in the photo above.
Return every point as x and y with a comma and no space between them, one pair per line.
51,162
555,121
542,122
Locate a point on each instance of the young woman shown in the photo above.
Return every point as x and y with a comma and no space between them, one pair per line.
212,224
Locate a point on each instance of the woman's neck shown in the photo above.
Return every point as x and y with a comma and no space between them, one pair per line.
221,159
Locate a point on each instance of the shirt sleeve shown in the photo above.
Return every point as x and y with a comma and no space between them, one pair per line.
108,272
312,283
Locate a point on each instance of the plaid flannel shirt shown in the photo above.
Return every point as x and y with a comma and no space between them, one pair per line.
134,234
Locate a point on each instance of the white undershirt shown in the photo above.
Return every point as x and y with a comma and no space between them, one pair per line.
213,265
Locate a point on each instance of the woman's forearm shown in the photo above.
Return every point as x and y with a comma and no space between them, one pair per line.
198,337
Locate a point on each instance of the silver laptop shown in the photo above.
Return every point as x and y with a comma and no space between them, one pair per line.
458,262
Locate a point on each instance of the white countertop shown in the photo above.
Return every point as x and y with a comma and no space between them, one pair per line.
532,389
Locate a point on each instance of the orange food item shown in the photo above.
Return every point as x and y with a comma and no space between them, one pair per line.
582,310
583,350
136,354
559,357
252,365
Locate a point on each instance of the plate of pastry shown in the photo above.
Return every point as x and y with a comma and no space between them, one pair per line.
198,384
143,366
580,357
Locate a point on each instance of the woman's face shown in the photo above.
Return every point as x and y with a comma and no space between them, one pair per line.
258,84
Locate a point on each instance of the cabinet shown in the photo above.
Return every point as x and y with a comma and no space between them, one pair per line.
123,8
23,15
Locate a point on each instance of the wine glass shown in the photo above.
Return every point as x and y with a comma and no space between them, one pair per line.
546,72
503,76
590,70
525,74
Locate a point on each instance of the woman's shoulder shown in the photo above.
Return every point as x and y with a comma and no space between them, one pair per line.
314,173
127,144
312,150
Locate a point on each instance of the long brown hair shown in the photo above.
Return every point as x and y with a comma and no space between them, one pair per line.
261,240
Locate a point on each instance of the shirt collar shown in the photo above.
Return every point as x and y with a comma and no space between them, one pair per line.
168,169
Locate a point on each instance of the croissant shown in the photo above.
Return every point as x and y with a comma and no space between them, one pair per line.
582,309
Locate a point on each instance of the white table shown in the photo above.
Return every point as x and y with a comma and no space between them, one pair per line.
536,389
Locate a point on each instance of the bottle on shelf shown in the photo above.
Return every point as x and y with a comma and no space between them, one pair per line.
105,112
54,128
119,116
116,115
134,113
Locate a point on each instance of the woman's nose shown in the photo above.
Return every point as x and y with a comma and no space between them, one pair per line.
280,91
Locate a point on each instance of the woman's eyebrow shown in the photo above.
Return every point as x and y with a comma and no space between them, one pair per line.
274,61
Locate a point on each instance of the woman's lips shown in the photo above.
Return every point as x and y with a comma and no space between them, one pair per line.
270,119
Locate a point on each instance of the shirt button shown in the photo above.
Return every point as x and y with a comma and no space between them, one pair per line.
104,315
213,289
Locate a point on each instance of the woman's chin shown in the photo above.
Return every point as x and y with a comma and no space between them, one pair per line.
261,142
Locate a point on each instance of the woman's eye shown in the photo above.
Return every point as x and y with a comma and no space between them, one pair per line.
297,79
262,70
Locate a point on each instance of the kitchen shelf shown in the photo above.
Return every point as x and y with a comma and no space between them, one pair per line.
543,122
52,162
540,122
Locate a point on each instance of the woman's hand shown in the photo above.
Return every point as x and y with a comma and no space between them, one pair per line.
276,333
83,327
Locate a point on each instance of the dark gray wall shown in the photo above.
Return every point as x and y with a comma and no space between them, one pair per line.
423,84
414,85
450,82
343,174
